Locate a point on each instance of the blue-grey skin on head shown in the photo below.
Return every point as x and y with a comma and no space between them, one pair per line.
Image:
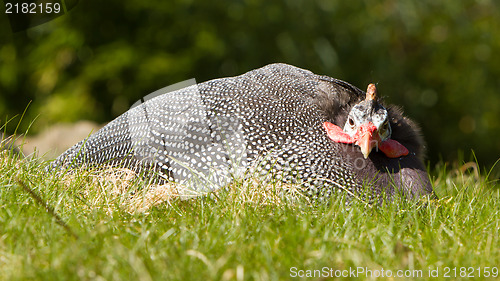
365,112
363,115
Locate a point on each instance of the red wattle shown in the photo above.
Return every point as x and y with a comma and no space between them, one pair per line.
336,134
393,149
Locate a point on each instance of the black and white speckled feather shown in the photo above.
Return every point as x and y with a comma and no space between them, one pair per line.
271,118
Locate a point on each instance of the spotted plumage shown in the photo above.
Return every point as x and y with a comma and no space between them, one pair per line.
270,119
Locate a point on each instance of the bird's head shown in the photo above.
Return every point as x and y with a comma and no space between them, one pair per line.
368,127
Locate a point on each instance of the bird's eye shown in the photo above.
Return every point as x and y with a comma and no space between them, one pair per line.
385,126
385,130
351,122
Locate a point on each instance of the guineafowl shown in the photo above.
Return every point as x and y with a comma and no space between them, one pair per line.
315,130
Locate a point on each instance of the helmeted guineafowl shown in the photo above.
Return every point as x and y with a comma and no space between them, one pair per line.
277,118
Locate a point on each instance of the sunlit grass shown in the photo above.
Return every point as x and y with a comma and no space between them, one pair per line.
124,230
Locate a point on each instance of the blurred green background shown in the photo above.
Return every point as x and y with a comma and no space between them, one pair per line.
438,59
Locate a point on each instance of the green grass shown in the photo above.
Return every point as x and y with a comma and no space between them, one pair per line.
250,232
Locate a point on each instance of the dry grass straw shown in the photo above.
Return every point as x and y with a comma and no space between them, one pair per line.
257,191
118,187
123,188
467,174
115,188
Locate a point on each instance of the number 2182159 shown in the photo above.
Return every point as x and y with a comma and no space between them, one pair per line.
32,8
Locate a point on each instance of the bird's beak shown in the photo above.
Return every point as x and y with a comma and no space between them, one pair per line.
367,138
